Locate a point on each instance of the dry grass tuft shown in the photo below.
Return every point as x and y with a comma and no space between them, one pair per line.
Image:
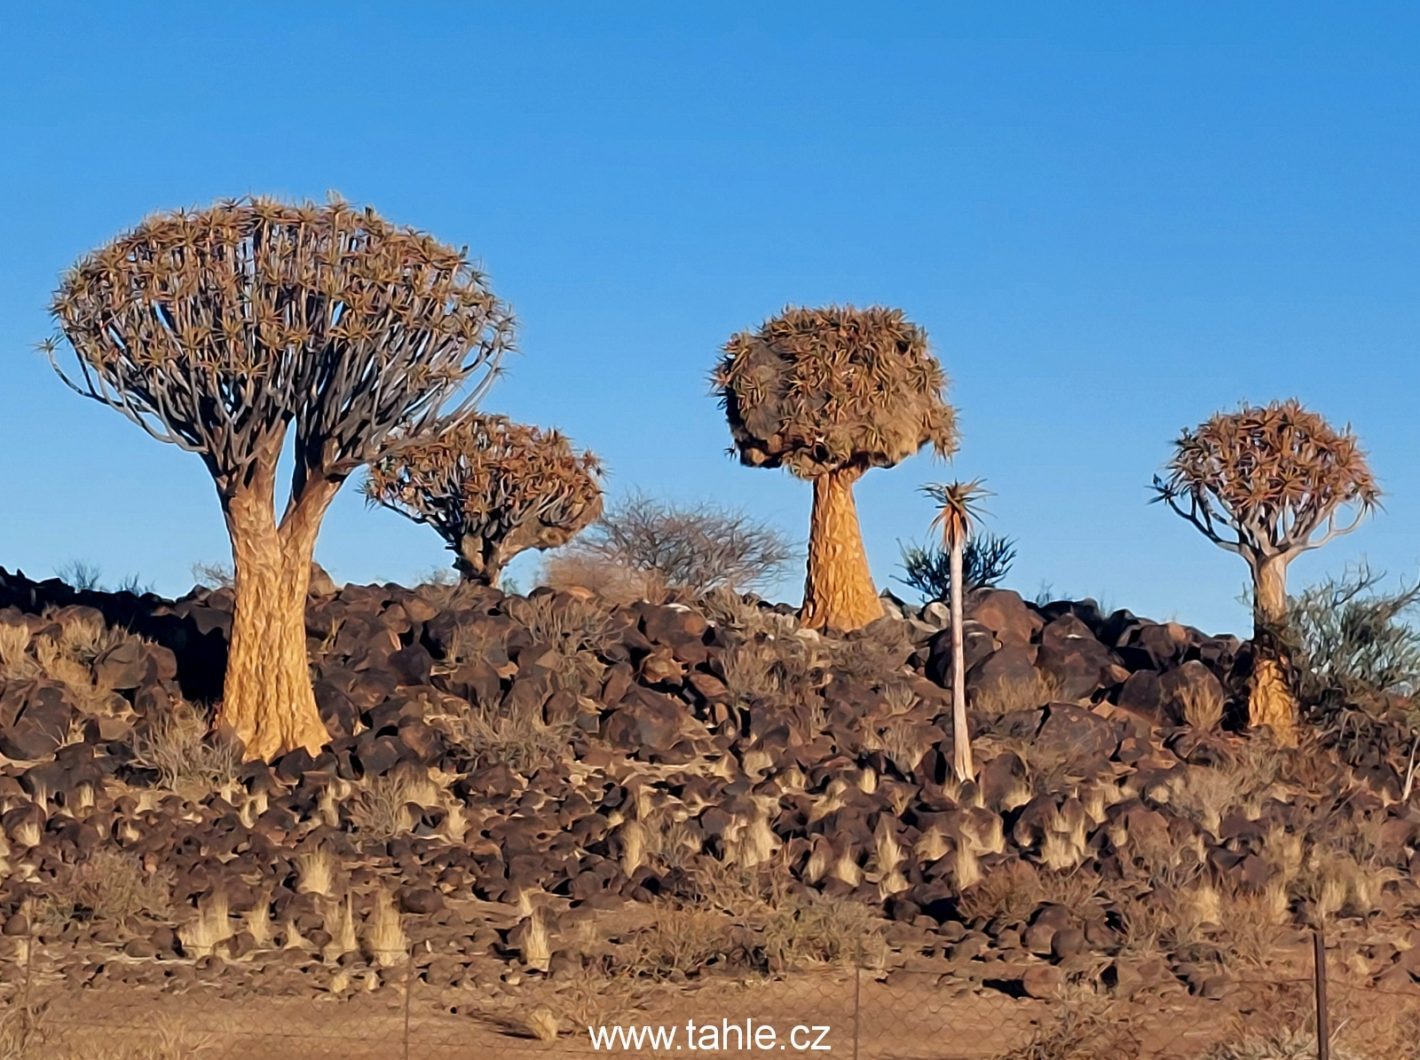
386,944
174,744
315,872
209,928
1008,697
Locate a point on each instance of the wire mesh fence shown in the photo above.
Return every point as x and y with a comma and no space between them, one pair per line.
405,1003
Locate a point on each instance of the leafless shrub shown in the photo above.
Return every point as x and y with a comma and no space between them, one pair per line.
1011,893
174,743
218,575
380,807
80,574
520,738
699,547
676,943
818,929
108,885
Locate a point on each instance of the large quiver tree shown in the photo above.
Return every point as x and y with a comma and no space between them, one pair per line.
234,330
1269,483
829,393
491,489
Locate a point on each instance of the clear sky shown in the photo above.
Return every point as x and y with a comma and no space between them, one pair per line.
1110,218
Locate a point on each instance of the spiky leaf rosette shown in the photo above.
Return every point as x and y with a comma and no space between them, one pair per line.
1272,475
218,329
818,390
491,488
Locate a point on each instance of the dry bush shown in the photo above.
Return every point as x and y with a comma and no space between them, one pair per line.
745,614
1007,697
218,575
1250,921
1087,1028
677,943
1352,643
817,929
770,669
1010,892
380,808
742,892
109,885
699,548
574,629
27,1032
876,656
564,622
609,581
162,1039
490,732
1207,794
174,743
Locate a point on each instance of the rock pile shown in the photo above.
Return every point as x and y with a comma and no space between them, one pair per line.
505,770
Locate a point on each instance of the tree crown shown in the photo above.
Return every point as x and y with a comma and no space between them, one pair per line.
1279,477
491,478
218,329
818,390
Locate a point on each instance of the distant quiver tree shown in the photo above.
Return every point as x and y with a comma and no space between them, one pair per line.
235,331
829,393
491,489
1269,483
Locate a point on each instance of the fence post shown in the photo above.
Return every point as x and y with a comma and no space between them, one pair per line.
857,1006
1323,1023
408,986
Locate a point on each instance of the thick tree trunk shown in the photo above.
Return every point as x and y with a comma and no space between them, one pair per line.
838,593
1270,699
476,564
961,738
267,701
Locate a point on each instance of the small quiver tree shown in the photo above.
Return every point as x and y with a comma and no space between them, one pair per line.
491,489
1269,483
829,393
959,513
233,331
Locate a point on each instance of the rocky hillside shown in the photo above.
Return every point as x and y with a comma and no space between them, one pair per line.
538,786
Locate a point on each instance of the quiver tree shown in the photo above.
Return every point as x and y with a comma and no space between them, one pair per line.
829,393
491,489
959,513
1269,483
234,331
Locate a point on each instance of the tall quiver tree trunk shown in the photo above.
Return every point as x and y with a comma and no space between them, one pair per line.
961,737
268,701
1270,699
838,591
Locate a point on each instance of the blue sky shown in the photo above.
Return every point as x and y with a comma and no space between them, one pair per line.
1110,218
